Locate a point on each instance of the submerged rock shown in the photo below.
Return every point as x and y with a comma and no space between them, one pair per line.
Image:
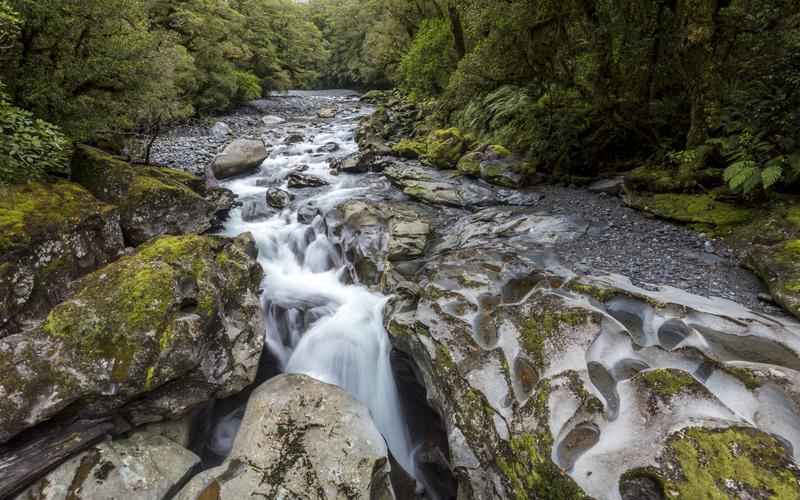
298,180
300,438
239,157
151,336
152,201
278,198
327,113
50,235
144,466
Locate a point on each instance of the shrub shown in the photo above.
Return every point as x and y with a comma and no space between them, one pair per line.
29,148
426,68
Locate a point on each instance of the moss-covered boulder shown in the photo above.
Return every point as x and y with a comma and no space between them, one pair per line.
734,462
779,266
445,147
151,335
410,148
50,235
704,211
496,165
153,201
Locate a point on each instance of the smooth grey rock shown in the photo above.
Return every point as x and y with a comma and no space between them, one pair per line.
221,130
239,157
328,147
309,439
271,120
144,466
613,186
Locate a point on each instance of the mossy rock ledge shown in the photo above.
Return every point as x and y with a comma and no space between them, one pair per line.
50,235
152,200
151,335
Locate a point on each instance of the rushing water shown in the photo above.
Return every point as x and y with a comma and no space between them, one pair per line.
317,323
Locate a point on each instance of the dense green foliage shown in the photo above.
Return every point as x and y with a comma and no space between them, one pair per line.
583,86
101,68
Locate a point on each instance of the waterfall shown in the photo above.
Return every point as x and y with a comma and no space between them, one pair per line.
317,323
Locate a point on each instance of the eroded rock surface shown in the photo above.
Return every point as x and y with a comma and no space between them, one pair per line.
300,439
152,335
548,382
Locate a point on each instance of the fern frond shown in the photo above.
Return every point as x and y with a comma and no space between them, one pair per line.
771,175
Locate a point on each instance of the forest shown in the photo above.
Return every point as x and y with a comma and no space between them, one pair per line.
580,87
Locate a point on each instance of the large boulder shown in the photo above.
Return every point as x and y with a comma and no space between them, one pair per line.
153,201
151,336
239,157
450,188
302,439
50,235
278,198
145,466
496,165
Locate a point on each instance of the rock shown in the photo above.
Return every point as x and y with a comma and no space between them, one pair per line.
690,208
50,235
149,336
221,130
546,382
239,157
300,438
496,165
353,164
439,187
278,198
177,431
747,463
380,235
328,147
327,113
444,148
295,139
301,181
272,120
144,466
613,186
152,201
411,149
779,267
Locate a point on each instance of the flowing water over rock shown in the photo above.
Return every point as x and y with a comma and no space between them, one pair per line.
318,322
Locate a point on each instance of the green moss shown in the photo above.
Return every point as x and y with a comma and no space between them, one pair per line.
791,250
445,147
470,164
692,209
500,151
711,460
793,215
667,383
744,375
408,148
125,306
525,460
600,294
31,211
544,326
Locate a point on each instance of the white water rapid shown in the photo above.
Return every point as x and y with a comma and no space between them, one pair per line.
317,323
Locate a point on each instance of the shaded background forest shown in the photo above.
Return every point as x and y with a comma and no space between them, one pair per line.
579,86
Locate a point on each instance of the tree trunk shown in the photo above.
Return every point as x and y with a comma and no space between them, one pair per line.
458,31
